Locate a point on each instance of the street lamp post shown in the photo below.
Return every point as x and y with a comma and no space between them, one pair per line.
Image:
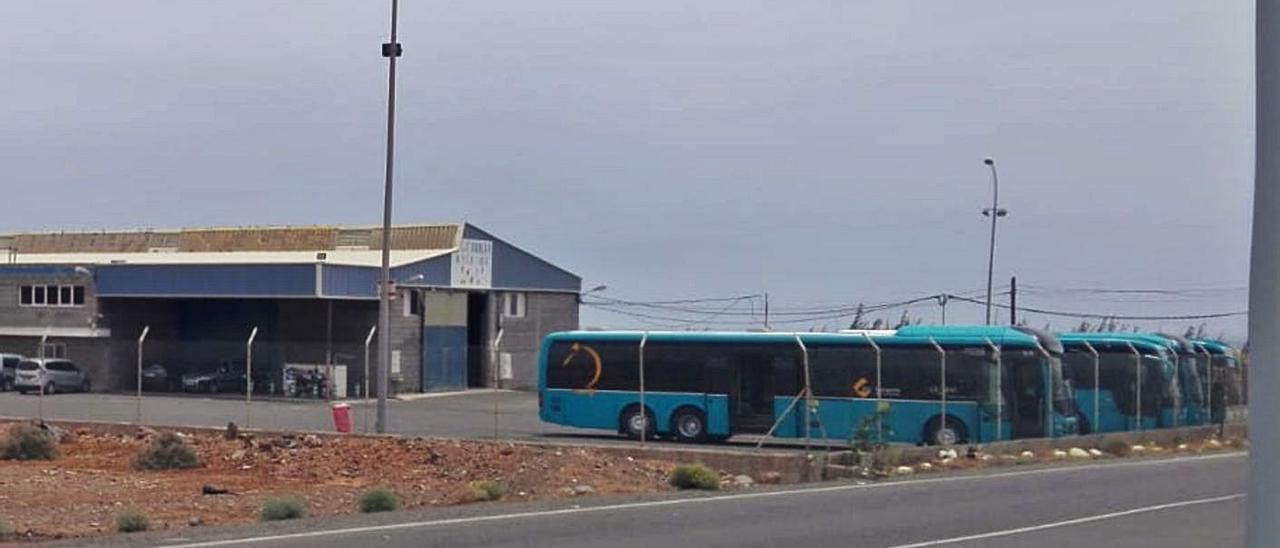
392,51
995,213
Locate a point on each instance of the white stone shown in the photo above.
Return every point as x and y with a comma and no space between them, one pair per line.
1182,447
1078,453
1095,452
1027,455
925,467
1059,454
904,470
1138,448
1214,443
986,457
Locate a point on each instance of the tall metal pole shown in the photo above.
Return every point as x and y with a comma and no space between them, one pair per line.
392,51
1262,523
995,213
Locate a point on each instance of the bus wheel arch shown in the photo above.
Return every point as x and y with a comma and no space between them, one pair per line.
689,424
956,432
631,423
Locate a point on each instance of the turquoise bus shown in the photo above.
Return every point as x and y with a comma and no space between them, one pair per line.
1223,377
1000,383
1122,381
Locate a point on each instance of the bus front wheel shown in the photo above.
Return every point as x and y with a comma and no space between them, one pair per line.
633,423
953,433
689,425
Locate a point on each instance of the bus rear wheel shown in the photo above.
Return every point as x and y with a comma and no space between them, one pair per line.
953,433
634,424
689,425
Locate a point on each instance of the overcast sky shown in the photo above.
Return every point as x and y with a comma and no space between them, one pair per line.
824,152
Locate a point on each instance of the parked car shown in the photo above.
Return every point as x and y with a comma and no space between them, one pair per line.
155,378
50,374
227,376
8,368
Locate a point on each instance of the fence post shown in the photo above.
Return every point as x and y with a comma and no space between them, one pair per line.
368,339
40,398
1137,363
809,404
879,394
995,352
494,358
1208,382
248,378
644,411
942,363
141,339
1097,386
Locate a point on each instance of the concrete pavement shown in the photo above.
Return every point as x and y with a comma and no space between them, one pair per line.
1172,503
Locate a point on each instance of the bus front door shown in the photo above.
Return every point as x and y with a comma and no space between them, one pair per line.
753,408
1026,399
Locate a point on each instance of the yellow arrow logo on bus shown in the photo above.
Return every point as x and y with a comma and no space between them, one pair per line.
595,359
861,388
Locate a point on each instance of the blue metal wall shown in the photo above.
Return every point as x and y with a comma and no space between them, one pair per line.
206,280
514,268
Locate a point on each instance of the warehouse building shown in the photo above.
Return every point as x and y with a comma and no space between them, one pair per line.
470,309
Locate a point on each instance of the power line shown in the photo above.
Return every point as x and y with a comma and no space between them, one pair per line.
1085,315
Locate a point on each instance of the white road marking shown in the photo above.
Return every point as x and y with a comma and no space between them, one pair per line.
1070,522
696,500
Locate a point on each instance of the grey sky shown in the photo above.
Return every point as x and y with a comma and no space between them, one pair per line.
826,152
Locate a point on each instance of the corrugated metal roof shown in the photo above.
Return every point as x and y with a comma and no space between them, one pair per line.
236,239
371,258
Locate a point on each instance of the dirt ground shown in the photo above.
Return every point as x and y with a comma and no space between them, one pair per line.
93,481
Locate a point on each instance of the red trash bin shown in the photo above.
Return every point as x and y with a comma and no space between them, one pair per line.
342,417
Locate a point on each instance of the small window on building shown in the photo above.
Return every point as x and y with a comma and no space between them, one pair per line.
51,295
413,304
513,305
55,350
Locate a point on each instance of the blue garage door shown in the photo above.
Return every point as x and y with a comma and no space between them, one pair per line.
444,358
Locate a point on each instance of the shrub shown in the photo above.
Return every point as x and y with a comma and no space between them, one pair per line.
30,442
1118,447
486,490
694,476
378,500
6,530
132,522
167,451
283,508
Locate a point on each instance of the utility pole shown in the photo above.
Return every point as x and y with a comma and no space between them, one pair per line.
1262,522
392,50
1013,300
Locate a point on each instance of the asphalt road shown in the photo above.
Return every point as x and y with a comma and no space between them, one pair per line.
1171,503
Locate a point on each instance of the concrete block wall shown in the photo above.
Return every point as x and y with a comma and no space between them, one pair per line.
12,314
545,313
93,356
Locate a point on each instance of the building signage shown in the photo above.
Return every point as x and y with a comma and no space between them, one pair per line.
473,265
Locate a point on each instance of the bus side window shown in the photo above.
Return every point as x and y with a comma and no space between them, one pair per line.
831,371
